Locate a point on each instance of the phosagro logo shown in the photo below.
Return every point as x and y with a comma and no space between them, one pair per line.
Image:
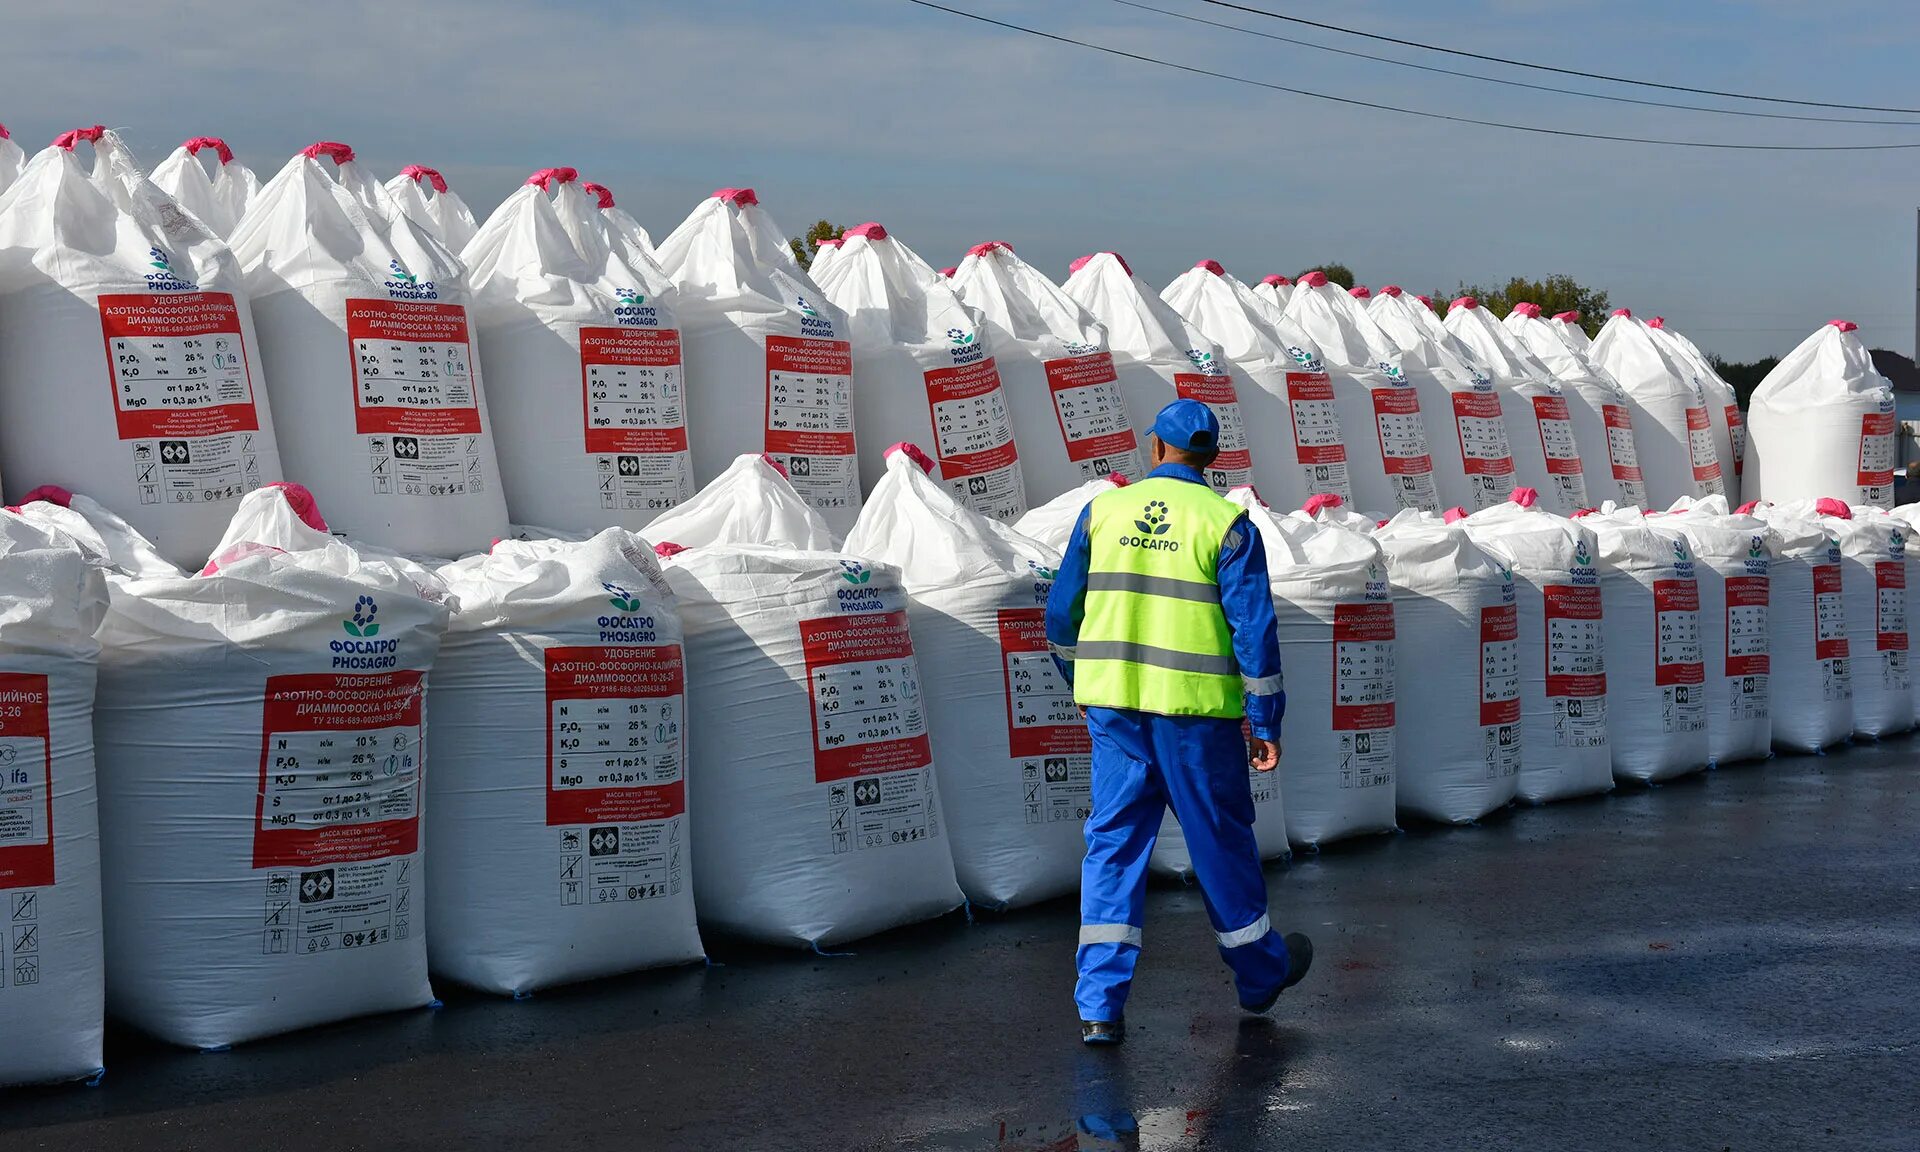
853,572
163,278
1153,520
365,653
1755,546
1042,571
404,285
1679,551
1581,556
961,338
800,302
630,296
364,610
622,599
630,307
1203,360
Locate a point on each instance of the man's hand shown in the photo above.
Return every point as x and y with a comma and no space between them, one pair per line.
1264,755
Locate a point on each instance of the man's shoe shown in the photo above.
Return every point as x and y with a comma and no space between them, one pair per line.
1103,1031
1299,959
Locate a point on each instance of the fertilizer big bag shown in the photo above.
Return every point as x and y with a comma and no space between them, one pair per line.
1563,649
1070,416
618,220
815,811
52,967
130,366
1822,424
1672,428
557,807
1875,571
1545,454
367,342
1723,405
581,349
12,160
219,199
422,193
1811,659
1454,608
769,367
1656,662
927,373
260,743
1016,762
1601,415
1733,561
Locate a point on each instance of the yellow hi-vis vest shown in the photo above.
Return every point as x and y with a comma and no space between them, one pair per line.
1154,637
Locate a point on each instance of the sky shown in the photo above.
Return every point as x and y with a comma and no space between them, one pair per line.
950,132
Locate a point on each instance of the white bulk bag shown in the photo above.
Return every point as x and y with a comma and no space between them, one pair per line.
260,775
1602,416
1875,576
824,253
1811,658
12,159
1567,326
1016,763
1563,650
927,373
1069,416
1421,466
1052,523
220,199
1453,608
52,967
815,812
1823,425
1545,454
624,227
422,193
1290,411
581,351
368,350
1733,561
1275,291
769,368
1723,405
129,365
1672,428
1656,662
557,805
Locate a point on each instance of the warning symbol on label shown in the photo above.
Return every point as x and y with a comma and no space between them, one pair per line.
26,906
316,886
629,465
603,842
866,792
173,452
1056,769
570,840
799,466
26,971
406,448
976,485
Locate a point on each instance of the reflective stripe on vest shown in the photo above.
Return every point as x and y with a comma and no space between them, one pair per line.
1154,638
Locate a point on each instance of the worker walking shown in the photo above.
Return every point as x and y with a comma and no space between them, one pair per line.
1161,616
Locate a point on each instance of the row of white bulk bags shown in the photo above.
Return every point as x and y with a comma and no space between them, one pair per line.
557,806
1290,412
1016,761
1533,408
260,778
760,337
1723,405
130,366
1823,424
926,372
422,193
1160,356
1453,605
1655,662
12,160
1673,428
1602,417
219,199
52,963
1068,409
1733,563
368,348
1874,583
581,348
1563,652
837,835
1812,671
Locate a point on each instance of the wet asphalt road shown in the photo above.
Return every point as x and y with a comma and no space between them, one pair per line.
1731,961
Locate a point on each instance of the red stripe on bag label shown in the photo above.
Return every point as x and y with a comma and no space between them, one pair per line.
1737,436
1748,642
1556,435
809,396
615,735
1396,417
1363,695
1890,606
1483,435
1500,664
1088,407
1876,450
632,389
1217,393
1575,665
1829,614
1705,455
1620,447
412,368
339,769
26,786
1676,634
1316,425
1042,719
177,365
972,430
868,716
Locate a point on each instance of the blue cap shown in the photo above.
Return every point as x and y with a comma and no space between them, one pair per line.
1188,425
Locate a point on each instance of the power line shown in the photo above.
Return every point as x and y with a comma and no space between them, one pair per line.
1511,83
1550,68
1348,100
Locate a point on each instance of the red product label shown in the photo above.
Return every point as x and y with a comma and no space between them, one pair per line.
1574,662
867,713
1737,433
339,769
1217,392
813,414
1700,444
1556,435
1876,456
1041,717
1087,404
1500,665
1620,427
177,365
1316,426
1748,651
1482,435
971,429
1890,606
412,368
1362,666
1676,634
614,749
1829,614
631,390
1393,404
26,785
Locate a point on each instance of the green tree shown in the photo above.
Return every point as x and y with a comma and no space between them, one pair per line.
1555,294
1744,377
1338,273
806,247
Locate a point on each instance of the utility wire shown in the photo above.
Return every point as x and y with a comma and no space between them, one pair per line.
1551,68
1411,111
1512,83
